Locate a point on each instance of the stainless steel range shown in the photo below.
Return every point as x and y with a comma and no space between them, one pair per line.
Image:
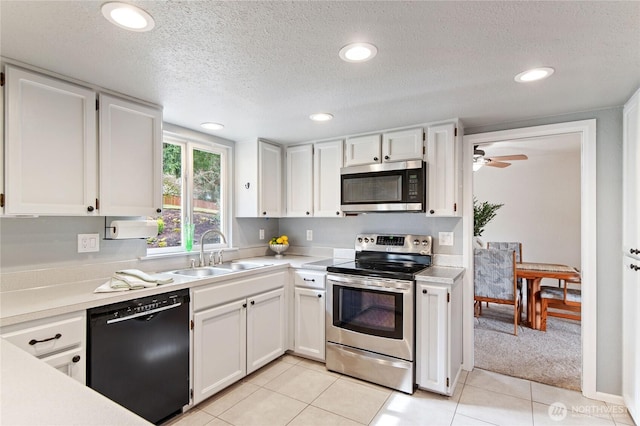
370,324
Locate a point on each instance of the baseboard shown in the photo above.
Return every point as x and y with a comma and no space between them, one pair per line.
607,397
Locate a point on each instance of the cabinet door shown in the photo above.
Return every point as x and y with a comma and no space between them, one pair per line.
130,151
432,331
631,179
402,145
631,336
309,309
219,348
269,180
300,181
51,163
442,169
265,329
327,161
363,150
71,362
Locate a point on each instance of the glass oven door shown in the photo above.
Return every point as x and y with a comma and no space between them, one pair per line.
373,314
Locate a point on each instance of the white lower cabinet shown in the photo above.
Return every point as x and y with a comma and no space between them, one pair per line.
438,336
309,314
59,341
238,327
219,348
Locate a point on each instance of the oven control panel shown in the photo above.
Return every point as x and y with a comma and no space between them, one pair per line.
408,243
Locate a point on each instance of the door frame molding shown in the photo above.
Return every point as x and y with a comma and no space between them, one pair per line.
586,129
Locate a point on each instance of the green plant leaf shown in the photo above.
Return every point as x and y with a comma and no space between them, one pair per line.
483,213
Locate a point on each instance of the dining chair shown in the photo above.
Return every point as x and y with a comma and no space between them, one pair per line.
566,302
495,281
509,245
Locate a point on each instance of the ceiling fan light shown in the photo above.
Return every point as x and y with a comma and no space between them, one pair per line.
477,166
534,74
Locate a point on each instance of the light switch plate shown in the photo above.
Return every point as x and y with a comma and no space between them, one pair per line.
445,238
262,234
88,243
309,235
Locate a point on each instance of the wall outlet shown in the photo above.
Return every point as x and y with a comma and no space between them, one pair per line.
309,235
445,238
262,234
88,243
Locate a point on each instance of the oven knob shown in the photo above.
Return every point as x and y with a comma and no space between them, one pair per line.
359,239
366,240
425,242
416,242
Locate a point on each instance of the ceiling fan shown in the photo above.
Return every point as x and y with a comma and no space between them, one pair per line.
499,161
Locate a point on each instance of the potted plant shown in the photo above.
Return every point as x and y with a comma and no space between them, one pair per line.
483,213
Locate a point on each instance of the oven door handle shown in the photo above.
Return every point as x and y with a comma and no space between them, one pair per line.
399,287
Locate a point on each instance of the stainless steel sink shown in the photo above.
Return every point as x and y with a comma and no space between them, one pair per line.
206,271
222,269
241,266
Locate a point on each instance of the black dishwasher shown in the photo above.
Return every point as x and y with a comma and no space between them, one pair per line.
138,354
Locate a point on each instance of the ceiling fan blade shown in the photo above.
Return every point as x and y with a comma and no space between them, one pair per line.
509,157
499,164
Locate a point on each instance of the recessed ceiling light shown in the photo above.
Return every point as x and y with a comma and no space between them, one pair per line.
358,52
534,74
321,116
127,16
212,126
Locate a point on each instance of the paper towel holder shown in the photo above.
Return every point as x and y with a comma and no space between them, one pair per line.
110,230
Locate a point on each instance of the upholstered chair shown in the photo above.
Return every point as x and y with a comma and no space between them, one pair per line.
495,281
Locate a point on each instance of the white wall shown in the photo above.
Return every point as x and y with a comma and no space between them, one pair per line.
541,198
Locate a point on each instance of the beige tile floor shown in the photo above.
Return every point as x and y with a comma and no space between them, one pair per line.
298,392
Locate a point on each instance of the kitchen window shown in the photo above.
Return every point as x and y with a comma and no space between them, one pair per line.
194,195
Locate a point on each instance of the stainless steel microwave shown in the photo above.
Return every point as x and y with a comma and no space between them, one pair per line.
387,187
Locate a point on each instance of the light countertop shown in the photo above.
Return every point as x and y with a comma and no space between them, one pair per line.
440,274
33,393
41,302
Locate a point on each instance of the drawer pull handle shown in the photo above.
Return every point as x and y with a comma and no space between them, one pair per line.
34,341
76,358
313,280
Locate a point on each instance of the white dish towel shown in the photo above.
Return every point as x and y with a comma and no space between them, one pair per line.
131,279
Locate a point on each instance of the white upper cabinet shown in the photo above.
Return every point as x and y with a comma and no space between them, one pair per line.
363,150
398,145
300,181
258,167
443,173
130,152
51,149
327,161
403,145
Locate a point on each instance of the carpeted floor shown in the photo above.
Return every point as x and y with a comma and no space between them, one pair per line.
553,357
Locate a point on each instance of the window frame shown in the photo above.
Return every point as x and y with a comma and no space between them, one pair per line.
188,144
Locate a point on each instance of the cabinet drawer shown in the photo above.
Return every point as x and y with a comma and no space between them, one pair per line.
228,291
48,335
310,279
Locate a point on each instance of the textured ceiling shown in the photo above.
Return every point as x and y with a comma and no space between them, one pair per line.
262,67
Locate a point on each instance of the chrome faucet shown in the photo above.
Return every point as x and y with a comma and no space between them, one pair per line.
206,233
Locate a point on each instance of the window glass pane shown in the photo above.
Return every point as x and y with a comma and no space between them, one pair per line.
206,195
170,222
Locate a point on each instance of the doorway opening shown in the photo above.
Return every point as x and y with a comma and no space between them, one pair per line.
537,183
586,132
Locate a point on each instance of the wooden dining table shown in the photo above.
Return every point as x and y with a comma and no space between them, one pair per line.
533,273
